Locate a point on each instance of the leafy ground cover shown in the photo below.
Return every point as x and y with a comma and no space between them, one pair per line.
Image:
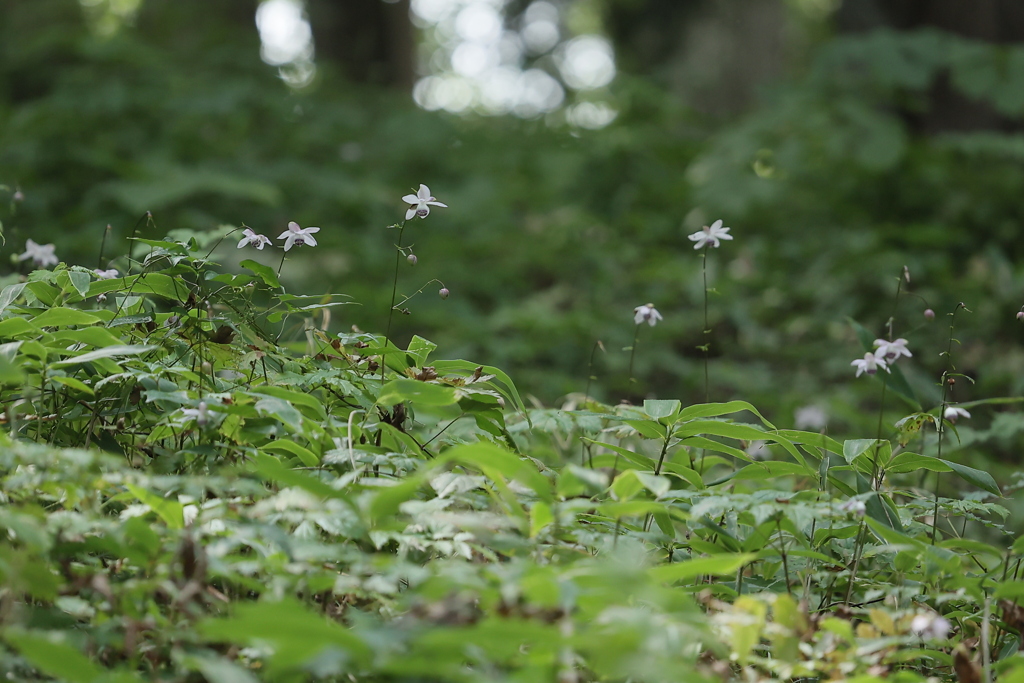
200,482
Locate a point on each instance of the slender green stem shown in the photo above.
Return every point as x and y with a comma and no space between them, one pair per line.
707,341
590,366
281,265
632,352
103,245
394,295
940,421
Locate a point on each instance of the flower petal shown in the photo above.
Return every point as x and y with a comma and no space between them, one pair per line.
424,193
293,226
311,230
411,199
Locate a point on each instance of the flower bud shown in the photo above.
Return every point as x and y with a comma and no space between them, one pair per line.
1020,315
929,314
443,293
18,196
411,258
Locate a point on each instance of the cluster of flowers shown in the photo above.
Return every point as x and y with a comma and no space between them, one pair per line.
885,354
707,236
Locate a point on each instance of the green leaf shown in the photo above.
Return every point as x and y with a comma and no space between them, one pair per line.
80,280
13,327
724,564
76,384
53,655
271,469
265,273
658,409
9,294
509,390
540,517
106,352
305,456
296,634
168,510
494,461
399,390
420,349
718,409
979,478
62,317
282,410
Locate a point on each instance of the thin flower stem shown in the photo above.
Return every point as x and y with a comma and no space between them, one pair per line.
632,352
590,366
940,428
281,265
103,245
394,295
707,341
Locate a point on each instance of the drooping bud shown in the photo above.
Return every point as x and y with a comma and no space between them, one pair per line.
929,314
18,196
906,274
443,293
411,258
1020,315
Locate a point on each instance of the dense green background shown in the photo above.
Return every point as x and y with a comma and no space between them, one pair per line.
836,175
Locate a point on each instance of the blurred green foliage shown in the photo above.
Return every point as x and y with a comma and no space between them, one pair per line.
555,234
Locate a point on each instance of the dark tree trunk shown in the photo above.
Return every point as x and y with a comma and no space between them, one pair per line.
368,41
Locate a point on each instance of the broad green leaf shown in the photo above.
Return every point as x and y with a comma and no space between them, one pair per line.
9,294
53,655
13,327
271,469
294,397
414,391
168,510
76,384
658,409
723,564
296,634
62,317
265,273
540,517
420,349
718,409
509,390
305,456
106,352
492,461
982,480
281,409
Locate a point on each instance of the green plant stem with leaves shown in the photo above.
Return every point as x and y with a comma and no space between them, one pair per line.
394,296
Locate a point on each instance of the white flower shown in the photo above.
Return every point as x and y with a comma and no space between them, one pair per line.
892,350
105,274
857,507
869,364
929,626
200,414
296,236
420,203
41,254
646,313
258,241
953,413
713,234
756,450
810,417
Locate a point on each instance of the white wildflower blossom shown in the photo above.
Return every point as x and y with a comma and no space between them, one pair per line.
855,507
420,203
869,364
109,274
41,254
646,313
200,414
810,418
711,235
953,413
255,239
295,236
930,626
892,350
